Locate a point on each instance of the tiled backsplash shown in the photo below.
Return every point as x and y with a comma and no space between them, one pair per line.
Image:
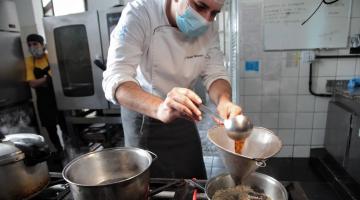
277,97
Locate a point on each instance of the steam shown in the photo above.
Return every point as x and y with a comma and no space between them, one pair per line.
16,120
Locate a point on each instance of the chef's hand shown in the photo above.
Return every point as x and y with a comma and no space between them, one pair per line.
227,110
180,102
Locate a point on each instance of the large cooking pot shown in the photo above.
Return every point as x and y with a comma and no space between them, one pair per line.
111,174
257,181
23,168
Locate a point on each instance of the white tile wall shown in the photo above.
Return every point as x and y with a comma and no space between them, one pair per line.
253,86
272,67
255,118
241,87
319,84
291,67
252,103
287,120
304,120
278,96
286,151
270,103
290,71
301,151
317,137
355,8
304,69
242,101
269,120
274,130
286,136
289,85
305,103
271,87
355,26
319,120
344,77
325,67
302,136
321,104
272,73
288,103
304,85
346,67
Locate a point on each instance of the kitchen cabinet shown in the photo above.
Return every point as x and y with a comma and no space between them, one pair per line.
342,139
338,130
353,163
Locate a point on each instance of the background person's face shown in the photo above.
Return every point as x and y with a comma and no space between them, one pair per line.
36,49
34,44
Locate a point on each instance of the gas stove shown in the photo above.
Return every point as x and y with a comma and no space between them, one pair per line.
160,188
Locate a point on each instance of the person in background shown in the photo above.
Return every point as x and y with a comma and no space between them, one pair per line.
38,74
157,51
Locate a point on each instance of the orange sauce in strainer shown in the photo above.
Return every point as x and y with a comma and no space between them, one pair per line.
239,145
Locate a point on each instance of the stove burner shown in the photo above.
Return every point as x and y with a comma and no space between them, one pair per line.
160,188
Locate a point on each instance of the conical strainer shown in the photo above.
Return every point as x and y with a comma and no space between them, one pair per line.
260,145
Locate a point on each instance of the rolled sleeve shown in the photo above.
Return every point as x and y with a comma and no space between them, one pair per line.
125,51
214,69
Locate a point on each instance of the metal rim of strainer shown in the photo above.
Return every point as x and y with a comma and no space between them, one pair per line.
260,162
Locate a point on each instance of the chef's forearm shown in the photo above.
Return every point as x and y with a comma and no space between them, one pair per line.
132,96
220,90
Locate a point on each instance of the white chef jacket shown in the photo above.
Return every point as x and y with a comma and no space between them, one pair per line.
146,49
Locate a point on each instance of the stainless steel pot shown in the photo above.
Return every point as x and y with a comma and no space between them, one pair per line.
22,176
269,186
111,174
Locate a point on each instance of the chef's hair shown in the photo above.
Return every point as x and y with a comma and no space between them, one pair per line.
35,38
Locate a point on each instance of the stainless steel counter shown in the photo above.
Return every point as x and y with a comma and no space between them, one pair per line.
342,137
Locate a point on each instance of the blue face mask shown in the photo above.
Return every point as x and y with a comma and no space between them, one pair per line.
191,23
37,52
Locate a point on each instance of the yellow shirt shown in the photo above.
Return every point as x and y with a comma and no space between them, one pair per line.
41,63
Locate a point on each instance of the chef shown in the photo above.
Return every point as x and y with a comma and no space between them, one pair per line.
157,51
38,74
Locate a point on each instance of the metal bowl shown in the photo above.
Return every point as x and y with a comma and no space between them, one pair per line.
270,186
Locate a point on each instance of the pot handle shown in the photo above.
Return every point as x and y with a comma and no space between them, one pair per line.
260,162
153,155
34,154
2,136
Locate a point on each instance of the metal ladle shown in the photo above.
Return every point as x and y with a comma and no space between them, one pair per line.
238,127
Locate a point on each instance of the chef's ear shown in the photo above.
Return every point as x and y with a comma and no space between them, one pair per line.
45,46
